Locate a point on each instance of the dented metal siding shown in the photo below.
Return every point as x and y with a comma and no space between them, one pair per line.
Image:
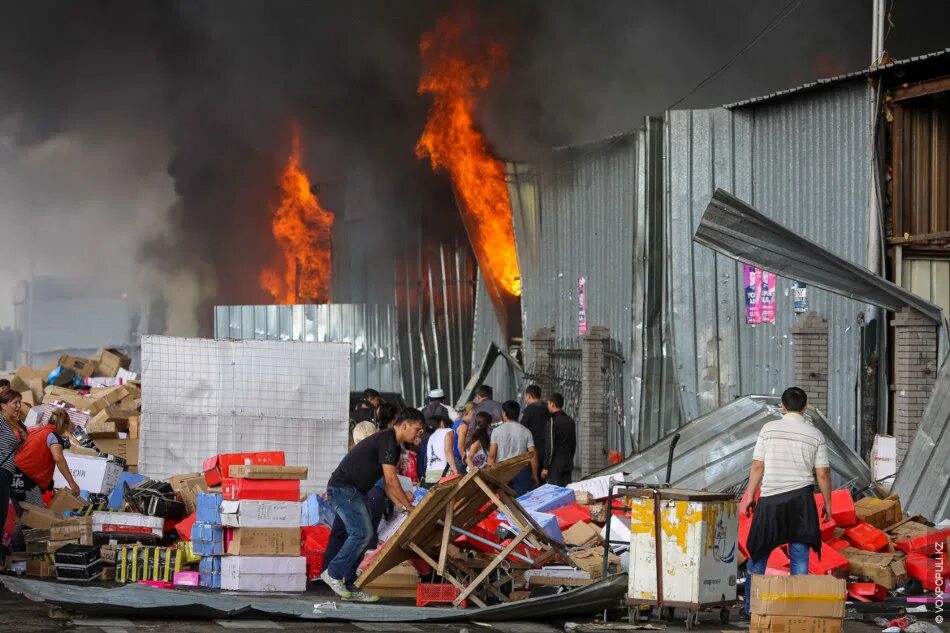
803,162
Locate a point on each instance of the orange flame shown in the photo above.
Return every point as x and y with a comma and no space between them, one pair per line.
302,229
452,141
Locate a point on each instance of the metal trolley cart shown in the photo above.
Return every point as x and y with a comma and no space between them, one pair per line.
683,551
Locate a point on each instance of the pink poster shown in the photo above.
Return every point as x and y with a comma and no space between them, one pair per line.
759,295
753,294
582,306
768,296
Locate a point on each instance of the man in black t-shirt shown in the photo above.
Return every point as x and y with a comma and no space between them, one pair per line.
374,457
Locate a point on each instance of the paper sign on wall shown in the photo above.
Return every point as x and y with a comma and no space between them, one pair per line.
759,295
582,306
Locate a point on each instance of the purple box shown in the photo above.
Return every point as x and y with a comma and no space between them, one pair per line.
186,578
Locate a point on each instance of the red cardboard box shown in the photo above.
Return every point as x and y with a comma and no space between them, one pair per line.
925,544
838,544
569,515
215,468
831,564
842,508
923,569
867,537
867,591
184,527
261,489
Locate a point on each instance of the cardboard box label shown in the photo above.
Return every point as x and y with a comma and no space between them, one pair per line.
261,514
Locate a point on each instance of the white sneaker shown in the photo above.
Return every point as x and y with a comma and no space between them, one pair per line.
338,586
358,595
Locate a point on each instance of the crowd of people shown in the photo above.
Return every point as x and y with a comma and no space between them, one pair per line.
426,446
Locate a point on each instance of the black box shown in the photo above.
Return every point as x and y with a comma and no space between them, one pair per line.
76,555
79,572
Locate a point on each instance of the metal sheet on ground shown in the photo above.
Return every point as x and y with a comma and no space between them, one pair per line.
142,602
715,451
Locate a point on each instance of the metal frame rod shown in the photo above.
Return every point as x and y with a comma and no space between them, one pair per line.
484,541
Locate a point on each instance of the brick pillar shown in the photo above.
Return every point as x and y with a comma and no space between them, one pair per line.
810,359
539,358
915,348
592,416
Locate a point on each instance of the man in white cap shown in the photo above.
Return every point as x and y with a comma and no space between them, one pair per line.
437,406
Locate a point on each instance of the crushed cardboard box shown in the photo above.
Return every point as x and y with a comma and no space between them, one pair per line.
879,513
885,568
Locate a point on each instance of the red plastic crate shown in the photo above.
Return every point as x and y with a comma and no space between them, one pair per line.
925,544
923,569
842,507
838,544
867,591
831,564
427,593
314,563
866,537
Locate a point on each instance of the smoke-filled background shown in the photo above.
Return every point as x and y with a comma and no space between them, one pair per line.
140,143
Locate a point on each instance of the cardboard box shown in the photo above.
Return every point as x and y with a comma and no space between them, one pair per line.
216,468
110,361
109,521
557,575
582,534
39,517
265,573
84,367
598,513
127,449
260,514
109,421
65,500
881,513
583,497
40,569
885,568
261,489
592,561
92,473
262,541
108,574
398,582
546,498
884,461
48,547
187,487
29,379
794,624
135,428
254,471
818,596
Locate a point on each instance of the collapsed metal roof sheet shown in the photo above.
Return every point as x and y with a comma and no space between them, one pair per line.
715,451
143,601
735,229
864,72
923,480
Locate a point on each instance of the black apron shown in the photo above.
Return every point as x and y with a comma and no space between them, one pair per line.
790,517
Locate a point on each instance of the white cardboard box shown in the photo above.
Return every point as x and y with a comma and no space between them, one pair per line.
261,514
884,460
264,573
93,474
598,487
127,519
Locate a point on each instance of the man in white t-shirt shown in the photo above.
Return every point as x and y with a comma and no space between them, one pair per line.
789,455
510,440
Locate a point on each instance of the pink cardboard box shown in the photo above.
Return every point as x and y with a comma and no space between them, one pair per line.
186,578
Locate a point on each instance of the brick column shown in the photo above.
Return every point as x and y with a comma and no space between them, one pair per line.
810,359
915,349
592,415
539,358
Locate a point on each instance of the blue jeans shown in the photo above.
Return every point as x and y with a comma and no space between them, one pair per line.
522,482
350,507
798,557
375,503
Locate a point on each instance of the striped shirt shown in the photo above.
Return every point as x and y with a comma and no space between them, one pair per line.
9,442
791,448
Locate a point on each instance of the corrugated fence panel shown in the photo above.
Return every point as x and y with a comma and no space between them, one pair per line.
369,329
798,160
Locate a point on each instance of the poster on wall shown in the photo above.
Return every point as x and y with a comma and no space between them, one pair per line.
582,306
759,295
800,298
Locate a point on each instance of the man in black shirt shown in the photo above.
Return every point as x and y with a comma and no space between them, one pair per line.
361,468
561,443
535,417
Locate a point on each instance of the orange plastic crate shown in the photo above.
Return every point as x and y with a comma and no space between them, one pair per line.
427,593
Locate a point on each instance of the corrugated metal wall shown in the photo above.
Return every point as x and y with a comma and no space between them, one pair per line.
369,329
800,160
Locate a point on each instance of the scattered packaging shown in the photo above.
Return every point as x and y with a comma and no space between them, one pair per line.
583,497
110,362
260,514
209,572
794,624
592,561
316,511
126,449
886,569
83,367
879,513
261,489
40,569
183,528
92,473
867,537
557,575
582,534
546,498
187,579
831,562
137,562
78,563
129,522
925,543
398,582
187,487
571,514
842,507
264,573
117,496
65,500
867,591
207,540
38,517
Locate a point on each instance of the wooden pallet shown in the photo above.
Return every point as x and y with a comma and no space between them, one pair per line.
463,503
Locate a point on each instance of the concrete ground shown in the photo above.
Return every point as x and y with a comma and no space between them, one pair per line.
20,615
